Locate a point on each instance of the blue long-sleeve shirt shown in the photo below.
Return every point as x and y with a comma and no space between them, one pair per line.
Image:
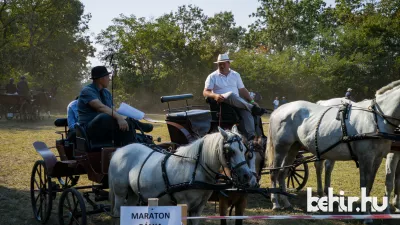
72,111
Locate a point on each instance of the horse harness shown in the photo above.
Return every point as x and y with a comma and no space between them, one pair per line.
342,116
193,184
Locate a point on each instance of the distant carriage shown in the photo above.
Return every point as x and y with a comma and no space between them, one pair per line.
25,107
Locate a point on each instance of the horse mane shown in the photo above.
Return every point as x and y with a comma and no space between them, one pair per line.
191,150
391,86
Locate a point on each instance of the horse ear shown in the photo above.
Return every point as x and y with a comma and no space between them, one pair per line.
235,129
223,133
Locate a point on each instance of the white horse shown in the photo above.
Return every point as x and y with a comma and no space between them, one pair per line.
130,176
329,164
392,166
293,126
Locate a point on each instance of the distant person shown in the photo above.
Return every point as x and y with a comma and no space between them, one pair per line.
10,87
348,94
22,87
283,101
276,103
72,118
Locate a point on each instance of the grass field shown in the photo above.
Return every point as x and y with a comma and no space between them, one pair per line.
17,156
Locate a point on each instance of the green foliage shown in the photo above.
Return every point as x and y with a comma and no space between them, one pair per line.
298,49
44,40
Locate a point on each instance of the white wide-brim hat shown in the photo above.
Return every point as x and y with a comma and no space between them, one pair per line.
223,58
349,89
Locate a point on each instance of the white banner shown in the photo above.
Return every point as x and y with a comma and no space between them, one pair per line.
143,215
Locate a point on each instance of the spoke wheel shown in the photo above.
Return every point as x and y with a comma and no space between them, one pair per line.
41,192
297,175
71,209
68,181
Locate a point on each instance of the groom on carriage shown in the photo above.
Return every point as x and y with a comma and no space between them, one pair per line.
226,86
97,116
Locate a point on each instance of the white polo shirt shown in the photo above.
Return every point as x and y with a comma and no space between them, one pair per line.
221,84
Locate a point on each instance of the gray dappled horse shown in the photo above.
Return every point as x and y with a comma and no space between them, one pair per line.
220,149
392,168
293,126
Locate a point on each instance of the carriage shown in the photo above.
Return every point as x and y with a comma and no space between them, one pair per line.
22,107
60,174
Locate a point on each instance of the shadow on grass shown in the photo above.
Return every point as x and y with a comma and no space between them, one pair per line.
16,208
16,124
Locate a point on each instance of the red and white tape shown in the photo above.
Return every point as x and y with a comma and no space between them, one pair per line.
301,217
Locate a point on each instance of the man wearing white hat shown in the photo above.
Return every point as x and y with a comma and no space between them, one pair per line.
348,94
226,85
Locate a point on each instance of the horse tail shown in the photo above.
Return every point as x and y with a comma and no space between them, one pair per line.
270,146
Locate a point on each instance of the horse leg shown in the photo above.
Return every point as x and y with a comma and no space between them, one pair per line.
223,206
390,174
329,164
280,154
396,200
367,175
291,156
240,206
132,199
196,211
318,169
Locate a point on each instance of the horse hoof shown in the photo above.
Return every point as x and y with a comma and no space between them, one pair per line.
289,208
368,221
277,209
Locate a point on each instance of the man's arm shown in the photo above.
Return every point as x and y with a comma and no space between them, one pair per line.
244,93
209,94
97,105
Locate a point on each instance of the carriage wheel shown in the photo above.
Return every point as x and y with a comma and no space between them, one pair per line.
41,192
297,175
68,181
71,209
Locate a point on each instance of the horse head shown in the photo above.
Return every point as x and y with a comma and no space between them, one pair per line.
233,158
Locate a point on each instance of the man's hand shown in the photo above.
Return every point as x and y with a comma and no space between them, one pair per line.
219,98
123,125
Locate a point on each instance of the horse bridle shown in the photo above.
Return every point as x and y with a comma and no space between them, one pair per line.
228,153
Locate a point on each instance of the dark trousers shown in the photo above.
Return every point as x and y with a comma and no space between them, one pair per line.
71,136
102,127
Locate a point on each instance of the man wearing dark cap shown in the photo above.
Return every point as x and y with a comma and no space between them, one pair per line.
10,87
96,113
22,87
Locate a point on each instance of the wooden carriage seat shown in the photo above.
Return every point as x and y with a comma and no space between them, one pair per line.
196,121
83,143
229,114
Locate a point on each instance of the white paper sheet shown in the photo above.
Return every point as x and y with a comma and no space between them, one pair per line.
129,111
226,95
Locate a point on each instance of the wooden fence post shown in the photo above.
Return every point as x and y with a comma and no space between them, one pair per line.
153,202
184,213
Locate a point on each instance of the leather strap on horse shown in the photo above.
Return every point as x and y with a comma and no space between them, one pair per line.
343,114
141,199
316,133
166,180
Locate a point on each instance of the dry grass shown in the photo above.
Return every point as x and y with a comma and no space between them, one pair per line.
17,157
